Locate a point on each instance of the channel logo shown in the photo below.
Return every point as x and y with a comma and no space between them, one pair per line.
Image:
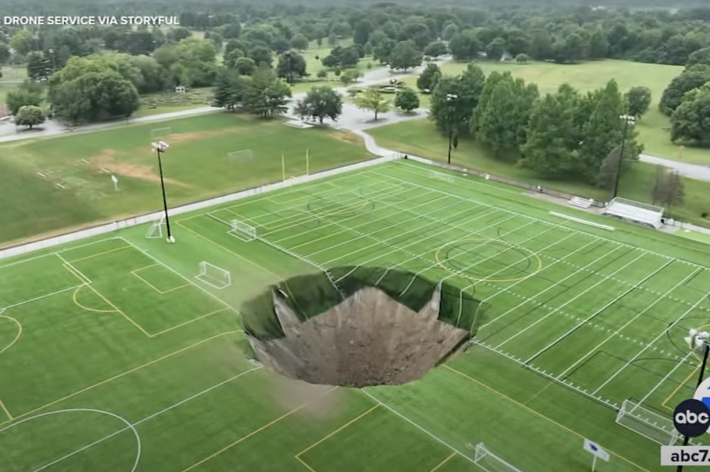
702,393
692,418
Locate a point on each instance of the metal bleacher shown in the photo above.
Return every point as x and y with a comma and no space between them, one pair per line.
580,202
635,212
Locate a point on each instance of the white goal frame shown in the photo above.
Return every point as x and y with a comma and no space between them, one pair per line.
238,157
157,134
482,452
203,276
441,176
649,424
241,230
156,229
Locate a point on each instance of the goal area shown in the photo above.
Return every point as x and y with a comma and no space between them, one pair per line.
243,231
647,423
214,276
155,231
489,462
238,157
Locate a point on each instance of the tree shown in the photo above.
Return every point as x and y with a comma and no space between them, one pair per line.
522,58
516,41
291,66
260,54
299,42
29,115
28,94
455,98
598,44
231,90
280,45
38,67
405,55
22,41
659,182
407,100
668,189
320,103
344,57
638,99
449,32
4,53
691,78
245,66
465,46
701,56
373,100
349,76
691,120
436,49
495,49
383,51
178,34
541,47
233,44
362,31
231,58
428,78
267,95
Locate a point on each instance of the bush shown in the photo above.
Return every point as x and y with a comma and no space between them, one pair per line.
322,74
522,58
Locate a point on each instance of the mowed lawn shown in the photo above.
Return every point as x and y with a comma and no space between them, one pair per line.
55,184
654,127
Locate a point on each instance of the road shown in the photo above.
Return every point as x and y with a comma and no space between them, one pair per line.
352,119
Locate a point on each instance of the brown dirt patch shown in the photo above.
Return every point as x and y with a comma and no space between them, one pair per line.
106,160
199,135
346,137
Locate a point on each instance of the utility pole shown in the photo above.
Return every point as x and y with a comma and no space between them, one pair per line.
450,98
627,119
161,147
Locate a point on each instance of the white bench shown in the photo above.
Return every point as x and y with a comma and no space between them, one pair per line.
581,202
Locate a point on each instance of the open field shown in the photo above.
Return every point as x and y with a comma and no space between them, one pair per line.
196,167
114,355
419,137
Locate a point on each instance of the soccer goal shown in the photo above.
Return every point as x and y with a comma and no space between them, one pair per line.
156,229
239,157
441,176
488,461
647,423
214,276
159,134
242,231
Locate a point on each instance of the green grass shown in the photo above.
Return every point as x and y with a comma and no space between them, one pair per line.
120,325
419,137
197,167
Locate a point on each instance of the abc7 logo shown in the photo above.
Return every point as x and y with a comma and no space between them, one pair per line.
691,418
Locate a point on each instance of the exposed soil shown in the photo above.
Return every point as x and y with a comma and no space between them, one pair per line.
368,339
106,160
197,135
346,137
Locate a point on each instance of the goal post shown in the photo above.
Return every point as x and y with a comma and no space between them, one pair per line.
441,176
243,231
160,134
489,462
156,229
214,276
240,157
647,423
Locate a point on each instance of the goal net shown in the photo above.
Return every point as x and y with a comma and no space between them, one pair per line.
214,276
488,461
160,134
441,176
647,423
238,157
156,229
243,231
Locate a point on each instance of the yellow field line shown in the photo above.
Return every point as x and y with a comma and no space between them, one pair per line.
441,464
4,408
135,369
680,385
537,413
162,292
190,321
338,430
304,464
98,254
244,438
19,332
83,307
76,274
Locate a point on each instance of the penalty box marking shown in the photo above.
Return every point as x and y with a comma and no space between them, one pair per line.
162,292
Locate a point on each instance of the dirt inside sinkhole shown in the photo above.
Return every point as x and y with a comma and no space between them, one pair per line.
364,339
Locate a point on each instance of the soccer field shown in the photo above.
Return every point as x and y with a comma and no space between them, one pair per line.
115,354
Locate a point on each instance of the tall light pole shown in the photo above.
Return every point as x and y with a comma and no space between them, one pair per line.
450,98
698,341
161,147
627,119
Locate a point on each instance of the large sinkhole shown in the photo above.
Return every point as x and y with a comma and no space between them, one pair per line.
359,326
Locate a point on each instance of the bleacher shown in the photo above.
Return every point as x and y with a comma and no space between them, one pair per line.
635,212
580,202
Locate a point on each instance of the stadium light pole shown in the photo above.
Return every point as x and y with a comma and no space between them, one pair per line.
161,147
450,98
697,341
627,119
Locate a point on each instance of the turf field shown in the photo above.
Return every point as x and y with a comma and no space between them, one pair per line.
115,356
65,181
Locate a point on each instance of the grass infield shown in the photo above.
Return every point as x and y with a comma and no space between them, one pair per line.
113,356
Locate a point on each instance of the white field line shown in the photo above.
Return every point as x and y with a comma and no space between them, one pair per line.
567,303
24,302
648,345
462,271
367,222
545,290
600,310
297,210
483,280
49,254
73,268
158,261
656,301
668,375
425,431
133,425
525,216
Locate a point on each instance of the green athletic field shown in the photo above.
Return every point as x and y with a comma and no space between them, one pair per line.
115,356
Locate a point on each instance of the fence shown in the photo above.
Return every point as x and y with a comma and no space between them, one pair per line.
127,223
